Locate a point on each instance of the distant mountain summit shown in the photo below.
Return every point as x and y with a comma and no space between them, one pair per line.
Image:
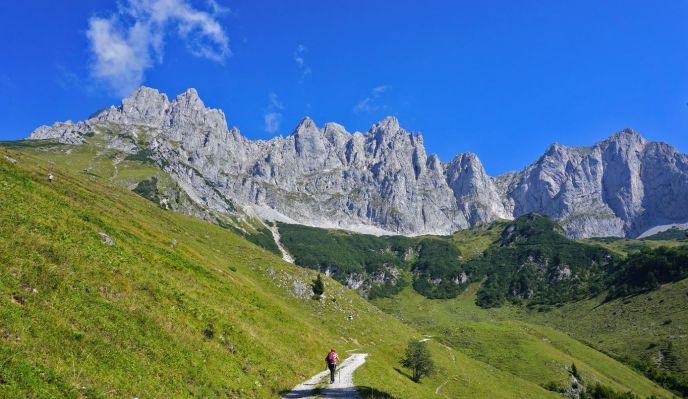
383,181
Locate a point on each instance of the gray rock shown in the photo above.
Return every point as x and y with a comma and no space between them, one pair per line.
106,239
382,181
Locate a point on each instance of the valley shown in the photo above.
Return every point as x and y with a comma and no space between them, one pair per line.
80,317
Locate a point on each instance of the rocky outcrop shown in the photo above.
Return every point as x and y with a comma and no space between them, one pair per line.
383,181
621,186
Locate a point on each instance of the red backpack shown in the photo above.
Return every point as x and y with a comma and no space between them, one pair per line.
332,357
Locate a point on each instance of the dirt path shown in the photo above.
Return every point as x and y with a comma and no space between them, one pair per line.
343,387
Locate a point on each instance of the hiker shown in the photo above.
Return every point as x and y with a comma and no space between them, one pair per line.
50,178
331,359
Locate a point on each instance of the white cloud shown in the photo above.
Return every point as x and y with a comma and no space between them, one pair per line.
274,101
132,40
300,61
272,119
378,90
371,102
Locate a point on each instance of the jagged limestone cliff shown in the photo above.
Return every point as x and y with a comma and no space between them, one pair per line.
383,181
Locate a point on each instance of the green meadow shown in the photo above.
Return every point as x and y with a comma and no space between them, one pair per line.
179,307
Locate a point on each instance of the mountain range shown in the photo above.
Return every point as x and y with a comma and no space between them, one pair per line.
383,181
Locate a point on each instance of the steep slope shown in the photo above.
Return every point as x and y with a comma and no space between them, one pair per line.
138,172
383,180
621,186
105,294
528,259
535,262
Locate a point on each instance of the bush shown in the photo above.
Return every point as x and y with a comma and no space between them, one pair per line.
318,286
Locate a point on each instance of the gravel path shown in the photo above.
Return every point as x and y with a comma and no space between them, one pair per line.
343,387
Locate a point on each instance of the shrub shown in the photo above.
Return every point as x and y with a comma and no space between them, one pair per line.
318,286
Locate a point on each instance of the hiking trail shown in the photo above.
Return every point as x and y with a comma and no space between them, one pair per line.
343,387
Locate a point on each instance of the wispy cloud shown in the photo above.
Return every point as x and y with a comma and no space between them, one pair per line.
272,119
372,101
132,40
300,61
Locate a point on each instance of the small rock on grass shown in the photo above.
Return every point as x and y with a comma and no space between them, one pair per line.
106,239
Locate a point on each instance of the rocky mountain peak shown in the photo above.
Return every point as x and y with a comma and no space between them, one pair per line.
189,98
626,137
145,106
383,180
306,125
389,125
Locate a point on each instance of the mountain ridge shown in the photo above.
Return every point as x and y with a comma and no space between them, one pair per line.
383,181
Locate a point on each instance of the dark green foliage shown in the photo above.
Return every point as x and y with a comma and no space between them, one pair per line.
263,238
492,293
671,234
144,155
574,372
434,263
417,358
437,269
534,261
148,189
645,270
344,253
388,288
599,391
318,286
670,380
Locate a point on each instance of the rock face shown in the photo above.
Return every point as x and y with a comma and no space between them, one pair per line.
382,181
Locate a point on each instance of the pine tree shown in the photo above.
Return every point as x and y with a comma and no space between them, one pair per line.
574,371
318,286
418,359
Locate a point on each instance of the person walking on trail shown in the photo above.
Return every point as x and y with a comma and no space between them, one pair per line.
332,359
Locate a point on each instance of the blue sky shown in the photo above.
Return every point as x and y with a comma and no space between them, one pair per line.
502,79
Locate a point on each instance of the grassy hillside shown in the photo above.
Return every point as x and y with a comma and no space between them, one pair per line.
519,339
474,241
648,330
624,246
504,339
137,172
177,307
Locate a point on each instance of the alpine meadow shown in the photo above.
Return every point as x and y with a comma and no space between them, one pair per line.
527,244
